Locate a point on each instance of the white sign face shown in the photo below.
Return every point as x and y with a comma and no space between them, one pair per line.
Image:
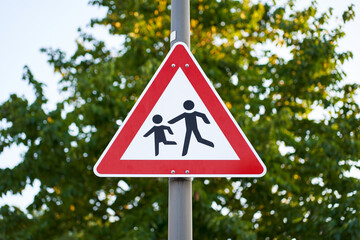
154,140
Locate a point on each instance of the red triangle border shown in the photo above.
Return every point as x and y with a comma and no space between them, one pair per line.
110,165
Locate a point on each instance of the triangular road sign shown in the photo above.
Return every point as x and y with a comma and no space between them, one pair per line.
179,127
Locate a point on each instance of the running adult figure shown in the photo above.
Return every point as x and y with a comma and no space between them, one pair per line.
191,125
159,133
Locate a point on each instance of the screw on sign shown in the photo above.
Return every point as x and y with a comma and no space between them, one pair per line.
193,134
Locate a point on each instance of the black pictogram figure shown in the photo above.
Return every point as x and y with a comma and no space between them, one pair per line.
191,125
159,133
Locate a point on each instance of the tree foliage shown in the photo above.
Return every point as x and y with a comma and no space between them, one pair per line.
274,65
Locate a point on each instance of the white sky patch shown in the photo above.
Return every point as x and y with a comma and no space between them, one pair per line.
285,149
24,199
9,159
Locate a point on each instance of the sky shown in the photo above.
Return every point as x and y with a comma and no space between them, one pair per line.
26,26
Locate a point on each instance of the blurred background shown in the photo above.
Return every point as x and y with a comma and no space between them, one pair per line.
28,26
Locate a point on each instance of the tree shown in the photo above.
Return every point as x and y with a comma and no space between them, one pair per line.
271,63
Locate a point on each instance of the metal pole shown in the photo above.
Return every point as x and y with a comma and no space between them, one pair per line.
180,22
180,189
180,209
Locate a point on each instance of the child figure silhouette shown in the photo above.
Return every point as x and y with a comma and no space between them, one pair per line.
191,125
159,133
